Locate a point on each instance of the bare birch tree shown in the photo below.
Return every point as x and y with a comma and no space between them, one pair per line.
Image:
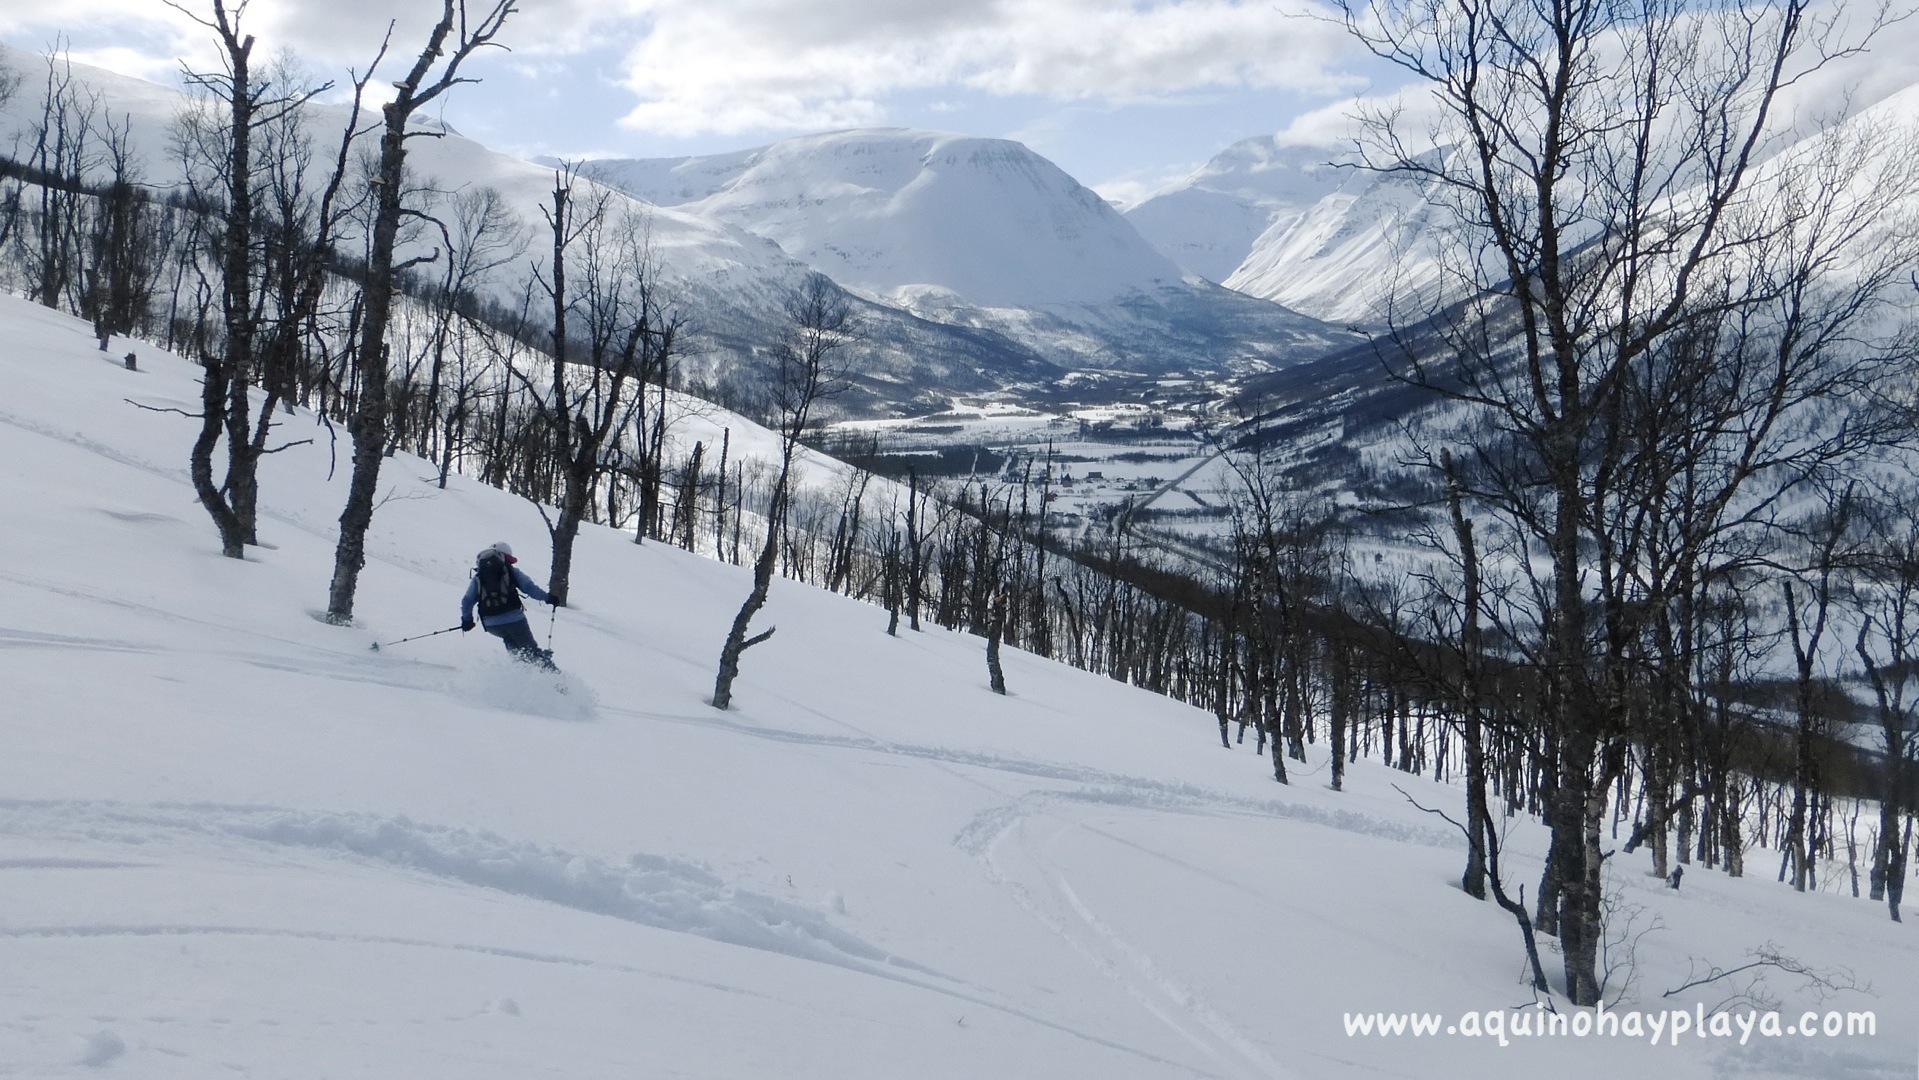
807,372
611,329
248,134
454,39
1598,161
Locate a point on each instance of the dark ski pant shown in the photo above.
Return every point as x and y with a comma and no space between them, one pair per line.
518,637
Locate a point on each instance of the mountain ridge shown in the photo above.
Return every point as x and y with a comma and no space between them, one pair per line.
980,232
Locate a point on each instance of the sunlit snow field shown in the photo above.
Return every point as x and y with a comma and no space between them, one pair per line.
236,841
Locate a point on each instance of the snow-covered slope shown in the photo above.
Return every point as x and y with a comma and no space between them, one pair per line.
1353,256
670,181
233,840
1846,198
1283,222
1209,221
1287,223
976,232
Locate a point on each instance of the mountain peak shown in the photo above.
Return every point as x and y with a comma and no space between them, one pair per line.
1210,222
888,211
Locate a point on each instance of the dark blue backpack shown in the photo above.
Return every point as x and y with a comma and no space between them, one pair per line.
497,593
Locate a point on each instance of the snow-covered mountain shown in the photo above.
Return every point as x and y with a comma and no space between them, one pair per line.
978,265
976,232
1285,222
1299,225
1208,223
887,210
1351,256
728,283
1344,403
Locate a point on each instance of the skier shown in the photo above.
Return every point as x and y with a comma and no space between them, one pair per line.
496,587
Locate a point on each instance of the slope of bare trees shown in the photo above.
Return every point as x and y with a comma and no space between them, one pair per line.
1661,593
1661,336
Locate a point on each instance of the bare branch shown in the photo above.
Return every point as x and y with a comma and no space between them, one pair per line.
158,409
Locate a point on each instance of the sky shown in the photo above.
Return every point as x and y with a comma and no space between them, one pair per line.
1126,95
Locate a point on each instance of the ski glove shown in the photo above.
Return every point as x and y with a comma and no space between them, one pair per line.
465,625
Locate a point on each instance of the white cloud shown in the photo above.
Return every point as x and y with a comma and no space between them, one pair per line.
702,67
157,28
346,30
731,66
753,65
140,37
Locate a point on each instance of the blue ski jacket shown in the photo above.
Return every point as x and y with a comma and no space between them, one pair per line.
520,581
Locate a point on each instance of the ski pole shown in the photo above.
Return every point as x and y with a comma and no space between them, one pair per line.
416,637
552,616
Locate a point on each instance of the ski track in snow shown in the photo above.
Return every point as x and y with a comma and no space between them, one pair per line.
1046,895
227,930
682,897
94,446
509,687
313,655
1149,976
31,639
1094,785
650,890
504,686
